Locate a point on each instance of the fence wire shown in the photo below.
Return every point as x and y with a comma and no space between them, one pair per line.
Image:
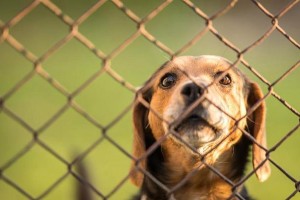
106,59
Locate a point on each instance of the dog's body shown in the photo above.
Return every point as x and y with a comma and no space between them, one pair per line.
192,130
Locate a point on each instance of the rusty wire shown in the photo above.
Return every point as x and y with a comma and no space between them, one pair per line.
141,30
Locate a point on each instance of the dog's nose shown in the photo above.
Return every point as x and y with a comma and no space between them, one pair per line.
191,92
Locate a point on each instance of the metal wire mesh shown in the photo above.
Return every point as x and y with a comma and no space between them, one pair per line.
75,33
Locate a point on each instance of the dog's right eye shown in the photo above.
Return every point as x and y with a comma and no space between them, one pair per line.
168,80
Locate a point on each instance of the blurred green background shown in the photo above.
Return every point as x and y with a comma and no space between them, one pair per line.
36,101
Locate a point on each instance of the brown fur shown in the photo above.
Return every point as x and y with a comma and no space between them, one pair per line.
188,151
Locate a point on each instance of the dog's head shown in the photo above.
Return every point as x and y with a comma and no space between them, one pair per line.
203,104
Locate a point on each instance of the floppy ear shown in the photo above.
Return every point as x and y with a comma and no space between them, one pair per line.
256,125
140,122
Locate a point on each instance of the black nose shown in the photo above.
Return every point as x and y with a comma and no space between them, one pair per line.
191,92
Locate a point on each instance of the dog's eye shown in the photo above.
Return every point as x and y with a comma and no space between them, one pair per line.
226,80
168,80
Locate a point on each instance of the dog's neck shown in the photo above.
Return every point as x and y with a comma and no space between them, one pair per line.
203,183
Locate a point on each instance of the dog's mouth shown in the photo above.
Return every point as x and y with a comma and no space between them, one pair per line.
197,131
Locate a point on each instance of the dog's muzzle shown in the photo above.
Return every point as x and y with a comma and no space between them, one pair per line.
196,128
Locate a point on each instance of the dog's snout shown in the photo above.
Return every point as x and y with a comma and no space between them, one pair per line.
192,92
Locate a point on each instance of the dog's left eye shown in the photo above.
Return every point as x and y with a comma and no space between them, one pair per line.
168,80
226,80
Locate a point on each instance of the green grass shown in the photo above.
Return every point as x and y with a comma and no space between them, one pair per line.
36,101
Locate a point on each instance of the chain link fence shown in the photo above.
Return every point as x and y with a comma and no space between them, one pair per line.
51,122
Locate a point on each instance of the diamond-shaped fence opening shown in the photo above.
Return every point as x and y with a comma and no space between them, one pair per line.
42,102
31,182
69,71
65,133
30,30
235,23
277,61
164,26
95,103
110,27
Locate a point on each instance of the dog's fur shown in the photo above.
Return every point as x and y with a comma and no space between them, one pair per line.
194,122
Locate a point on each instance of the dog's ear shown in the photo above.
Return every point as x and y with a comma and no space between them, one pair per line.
140,123
256,126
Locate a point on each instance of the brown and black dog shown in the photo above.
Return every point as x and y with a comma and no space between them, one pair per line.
194,122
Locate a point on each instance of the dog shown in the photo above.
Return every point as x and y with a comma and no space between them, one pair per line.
194,122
